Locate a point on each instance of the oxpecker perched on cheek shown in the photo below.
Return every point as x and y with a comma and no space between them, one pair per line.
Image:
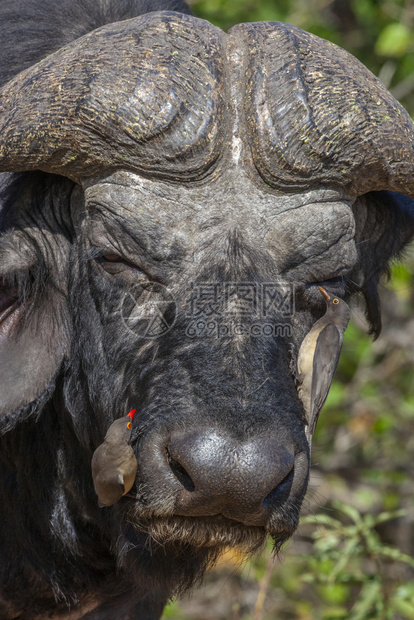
114,464
318,358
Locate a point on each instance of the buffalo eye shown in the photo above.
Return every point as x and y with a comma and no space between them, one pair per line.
112,258
115,264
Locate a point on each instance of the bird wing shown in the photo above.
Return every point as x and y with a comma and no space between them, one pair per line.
325,361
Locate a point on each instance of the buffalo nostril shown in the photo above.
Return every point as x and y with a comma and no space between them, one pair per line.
182,475
280,493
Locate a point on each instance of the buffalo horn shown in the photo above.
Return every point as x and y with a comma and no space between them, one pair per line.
142,95
317,117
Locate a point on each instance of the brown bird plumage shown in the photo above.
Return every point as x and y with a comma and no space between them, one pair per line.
318,358
114,464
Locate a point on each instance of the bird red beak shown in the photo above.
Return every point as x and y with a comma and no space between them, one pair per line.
324,293
131,414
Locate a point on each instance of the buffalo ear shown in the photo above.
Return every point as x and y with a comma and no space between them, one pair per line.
34,316
384,226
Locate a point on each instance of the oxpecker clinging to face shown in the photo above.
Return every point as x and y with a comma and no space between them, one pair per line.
114,464
318,358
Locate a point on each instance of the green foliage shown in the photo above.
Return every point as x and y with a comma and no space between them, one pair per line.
394,40
350,565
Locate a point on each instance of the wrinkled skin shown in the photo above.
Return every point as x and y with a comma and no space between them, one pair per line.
219,431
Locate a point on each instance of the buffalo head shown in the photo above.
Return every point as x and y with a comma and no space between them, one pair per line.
185,192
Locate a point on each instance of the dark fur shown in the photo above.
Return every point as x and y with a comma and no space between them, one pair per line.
58,548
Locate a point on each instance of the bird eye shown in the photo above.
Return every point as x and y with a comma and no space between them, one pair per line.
129,425
336,301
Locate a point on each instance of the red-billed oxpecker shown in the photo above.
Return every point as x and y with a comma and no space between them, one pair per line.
318,358
114,464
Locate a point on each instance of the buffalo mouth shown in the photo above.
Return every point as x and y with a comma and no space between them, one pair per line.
177,550
211,532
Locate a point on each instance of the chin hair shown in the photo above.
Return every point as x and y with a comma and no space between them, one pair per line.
180,549
215,533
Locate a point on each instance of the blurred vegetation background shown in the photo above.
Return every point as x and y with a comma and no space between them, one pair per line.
353,556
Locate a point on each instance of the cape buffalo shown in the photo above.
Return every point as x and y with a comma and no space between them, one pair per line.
172,196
